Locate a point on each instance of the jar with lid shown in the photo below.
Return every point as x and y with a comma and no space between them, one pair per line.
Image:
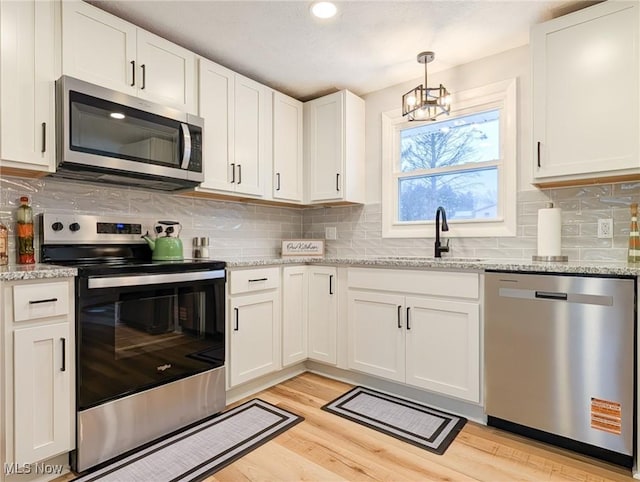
4,245
24,232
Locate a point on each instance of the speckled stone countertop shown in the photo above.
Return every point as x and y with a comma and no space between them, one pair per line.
16,272
472,264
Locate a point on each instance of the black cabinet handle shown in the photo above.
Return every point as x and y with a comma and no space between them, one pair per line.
539,143
257,279
237,325
233,172
330,284
408,324
44,137
144,76
399,311
133,70
239,173
338,182
64,355
277,181
47,300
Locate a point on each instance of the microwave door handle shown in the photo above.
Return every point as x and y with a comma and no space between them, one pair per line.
186,153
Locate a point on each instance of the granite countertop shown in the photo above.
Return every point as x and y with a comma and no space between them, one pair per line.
473,264
16,272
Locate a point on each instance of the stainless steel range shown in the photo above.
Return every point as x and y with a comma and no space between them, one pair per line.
150,335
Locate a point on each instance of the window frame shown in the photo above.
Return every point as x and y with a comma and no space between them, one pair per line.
500,96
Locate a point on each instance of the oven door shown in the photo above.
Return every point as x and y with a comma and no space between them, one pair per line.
136,332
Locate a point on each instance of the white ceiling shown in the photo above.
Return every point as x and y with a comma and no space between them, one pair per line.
368,46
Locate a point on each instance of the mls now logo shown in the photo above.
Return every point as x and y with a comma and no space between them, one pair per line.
40,469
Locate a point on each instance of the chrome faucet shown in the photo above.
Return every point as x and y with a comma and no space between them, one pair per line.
445,227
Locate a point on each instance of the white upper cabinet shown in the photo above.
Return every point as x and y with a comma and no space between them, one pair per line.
287,148
102,49
29,65
334,148
236,111
586,108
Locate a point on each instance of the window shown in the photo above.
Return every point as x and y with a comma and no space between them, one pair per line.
464,162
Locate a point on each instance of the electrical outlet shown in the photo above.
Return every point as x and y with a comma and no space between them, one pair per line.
330,232
605,228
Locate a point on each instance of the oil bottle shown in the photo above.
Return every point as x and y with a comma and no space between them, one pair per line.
24,232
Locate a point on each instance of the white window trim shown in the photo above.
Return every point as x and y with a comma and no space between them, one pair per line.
500,95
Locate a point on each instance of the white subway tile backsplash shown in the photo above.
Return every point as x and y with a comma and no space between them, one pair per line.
241,230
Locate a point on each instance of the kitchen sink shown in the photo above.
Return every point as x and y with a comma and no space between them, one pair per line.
449,259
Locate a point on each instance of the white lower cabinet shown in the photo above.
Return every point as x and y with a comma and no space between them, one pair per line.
38,418
253,324
442,343
323,314
295,309
42,385
425,341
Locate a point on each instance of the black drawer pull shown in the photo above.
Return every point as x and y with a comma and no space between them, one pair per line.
539,143
399,311
330,284
237,327
133,70
408,323
551,295
258,279
64,354
44,138
48,300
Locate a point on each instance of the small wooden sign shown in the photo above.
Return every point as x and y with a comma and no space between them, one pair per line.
303,247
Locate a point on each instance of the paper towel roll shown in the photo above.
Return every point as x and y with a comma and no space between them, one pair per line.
549,226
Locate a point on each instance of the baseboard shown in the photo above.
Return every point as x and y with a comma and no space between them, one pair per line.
262,383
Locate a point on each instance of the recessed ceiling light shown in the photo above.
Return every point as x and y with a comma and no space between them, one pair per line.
117,115
324,9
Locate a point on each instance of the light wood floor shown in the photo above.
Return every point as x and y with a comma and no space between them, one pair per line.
326,447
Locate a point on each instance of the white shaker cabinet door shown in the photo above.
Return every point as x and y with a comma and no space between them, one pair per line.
254,336
323,314
443,346
43,395
376,334
216,100
98,47
586,84
167,72
295,298
250,132
28,71
287,148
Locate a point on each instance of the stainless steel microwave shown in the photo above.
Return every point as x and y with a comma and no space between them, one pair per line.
108,136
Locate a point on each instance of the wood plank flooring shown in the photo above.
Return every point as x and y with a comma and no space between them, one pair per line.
326,447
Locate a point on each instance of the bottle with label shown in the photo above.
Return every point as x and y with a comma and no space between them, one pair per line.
4,245
24,232
634,236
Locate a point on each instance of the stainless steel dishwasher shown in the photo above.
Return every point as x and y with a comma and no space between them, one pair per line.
559,360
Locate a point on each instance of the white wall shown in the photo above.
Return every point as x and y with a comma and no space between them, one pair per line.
506,65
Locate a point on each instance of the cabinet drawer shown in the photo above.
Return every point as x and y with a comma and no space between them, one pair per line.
246,281
33,301
434,283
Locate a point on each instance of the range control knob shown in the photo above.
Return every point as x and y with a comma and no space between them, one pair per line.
57,226
74,227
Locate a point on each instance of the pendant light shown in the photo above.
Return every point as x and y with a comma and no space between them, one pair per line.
426,103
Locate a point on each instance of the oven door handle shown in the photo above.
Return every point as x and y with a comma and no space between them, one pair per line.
186,143
95,282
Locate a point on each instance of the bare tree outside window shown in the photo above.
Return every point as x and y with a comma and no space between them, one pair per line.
450,164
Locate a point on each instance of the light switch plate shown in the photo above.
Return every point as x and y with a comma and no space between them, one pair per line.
330,232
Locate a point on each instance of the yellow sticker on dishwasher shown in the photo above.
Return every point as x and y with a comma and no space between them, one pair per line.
606,415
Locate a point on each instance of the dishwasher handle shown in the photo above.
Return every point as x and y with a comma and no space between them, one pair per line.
551,295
